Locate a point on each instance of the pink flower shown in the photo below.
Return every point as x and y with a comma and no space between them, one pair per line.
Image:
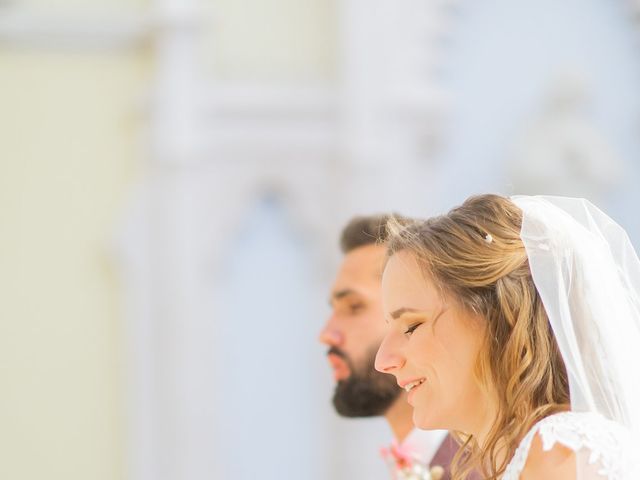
400,455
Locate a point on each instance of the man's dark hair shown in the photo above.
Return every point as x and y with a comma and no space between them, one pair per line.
368,230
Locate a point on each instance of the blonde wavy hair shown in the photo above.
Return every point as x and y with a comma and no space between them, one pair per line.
475,256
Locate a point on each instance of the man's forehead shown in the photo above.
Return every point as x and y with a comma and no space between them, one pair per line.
360,270
366,262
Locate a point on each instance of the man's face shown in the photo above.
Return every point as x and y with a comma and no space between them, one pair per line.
354,332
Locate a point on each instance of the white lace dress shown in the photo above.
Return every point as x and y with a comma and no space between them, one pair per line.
603,448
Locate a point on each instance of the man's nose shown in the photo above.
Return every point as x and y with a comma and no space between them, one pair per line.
388,358
330,335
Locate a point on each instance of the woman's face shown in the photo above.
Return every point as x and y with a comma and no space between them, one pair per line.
431,346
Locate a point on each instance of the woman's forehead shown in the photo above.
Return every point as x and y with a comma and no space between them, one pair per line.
405,282
403,266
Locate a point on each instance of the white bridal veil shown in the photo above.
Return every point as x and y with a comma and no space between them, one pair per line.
588,276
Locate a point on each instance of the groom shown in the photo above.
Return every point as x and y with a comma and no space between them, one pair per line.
353,334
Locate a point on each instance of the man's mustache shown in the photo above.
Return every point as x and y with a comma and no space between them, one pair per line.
337,352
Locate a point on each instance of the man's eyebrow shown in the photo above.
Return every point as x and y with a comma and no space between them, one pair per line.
339,294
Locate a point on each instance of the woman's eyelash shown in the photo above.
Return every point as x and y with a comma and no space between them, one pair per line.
412,328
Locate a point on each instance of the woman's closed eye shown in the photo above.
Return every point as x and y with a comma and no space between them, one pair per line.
411,328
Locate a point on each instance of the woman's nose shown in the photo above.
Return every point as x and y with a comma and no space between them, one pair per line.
388,358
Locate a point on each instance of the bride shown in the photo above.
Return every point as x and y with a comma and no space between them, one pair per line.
516,324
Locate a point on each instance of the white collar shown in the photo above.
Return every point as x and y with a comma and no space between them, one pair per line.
424,443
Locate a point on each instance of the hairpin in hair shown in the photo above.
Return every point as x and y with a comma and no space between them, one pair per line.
488,238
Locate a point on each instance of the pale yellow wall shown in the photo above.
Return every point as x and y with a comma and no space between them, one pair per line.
82,5
272,40
70,150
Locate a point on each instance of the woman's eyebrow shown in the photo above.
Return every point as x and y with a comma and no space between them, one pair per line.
401,311
415,313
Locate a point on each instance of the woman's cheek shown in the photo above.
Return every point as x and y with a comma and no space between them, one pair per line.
420,350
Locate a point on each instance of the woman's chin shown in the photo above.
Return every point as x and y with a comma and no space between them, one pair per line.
426,421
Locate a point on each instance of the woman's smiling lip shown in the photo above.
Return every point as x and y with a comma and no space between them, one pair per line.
410,384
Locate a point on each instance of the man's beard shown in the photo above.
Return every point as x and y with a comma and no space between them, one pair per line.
366,392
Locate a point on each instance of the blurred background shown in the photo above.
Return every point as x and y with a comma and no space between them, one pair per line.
174,175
